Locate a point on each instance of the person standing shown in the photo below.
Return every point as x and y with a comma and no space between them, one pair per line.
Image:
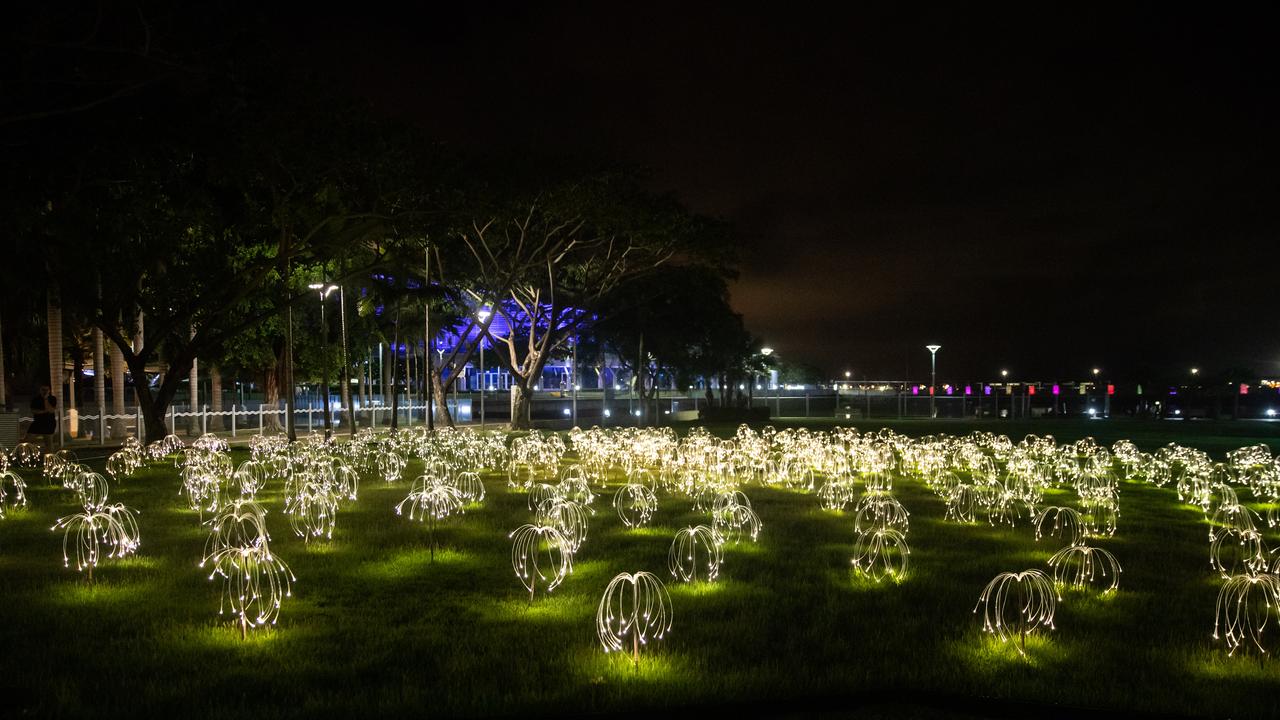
44,419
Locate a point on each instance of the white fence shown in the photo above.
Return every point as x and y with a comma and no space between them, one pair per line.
105,427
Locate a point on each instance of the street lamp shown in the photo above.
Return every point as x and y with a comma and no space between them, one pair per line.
323,290
777,401
933,377
483,314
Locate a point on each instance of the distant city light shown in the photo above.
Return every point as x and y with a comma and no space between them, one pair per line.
607,413
566,411
1271,412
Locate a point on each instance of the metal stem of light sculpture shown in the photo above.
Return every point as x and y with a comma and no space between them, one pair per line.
112,526
881,553
431,500
636,606
1080,566
1246,603
1100,515
254,581
1067,524
1018,603
635,504
536,548
693,547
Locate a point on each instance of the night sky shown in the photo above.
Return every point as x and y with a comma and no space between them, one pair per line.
1046,191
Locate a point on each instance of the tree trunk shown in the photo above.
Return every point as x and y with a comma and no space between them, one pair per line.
215,397
193,394
520,403
54,322
119,426
363,388
441,401
4,389
271,394
642,368
395,367
99,376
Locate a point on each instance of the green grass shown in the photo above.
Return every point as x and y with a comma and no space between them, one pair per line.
376,627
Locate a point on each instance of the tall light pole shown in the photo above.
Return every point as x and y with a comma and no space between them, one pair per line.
483,314
777,404
1004,375
346,364
573,378
933,377
323,290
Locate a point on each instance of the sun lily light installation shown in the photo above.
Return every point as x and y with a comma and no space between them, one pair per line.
540,553
100,527
635,607
1018,604
254,580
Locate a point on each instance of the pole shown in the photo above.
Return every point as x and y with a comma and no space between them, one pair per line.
233,420
288,354
426,338
933,382
346,364
324,376
482,383
573,378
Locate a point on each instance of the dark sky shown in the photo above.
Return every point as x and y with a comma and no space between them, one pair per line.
1044,191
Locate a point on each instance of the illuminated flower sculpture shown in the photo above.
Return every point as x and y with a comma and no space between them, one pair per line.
1246,603
112,529
695,551
254,581
431,501
1018,604
732,517
635,504
567,516
1067,524
635,607
1232,552
881,553
1081,566
13,492
540,552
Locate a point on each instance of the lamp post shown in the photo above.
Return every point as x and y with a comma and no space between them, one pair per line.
777,404
1004,375
933,377
323,290
483,314
346,364
573,378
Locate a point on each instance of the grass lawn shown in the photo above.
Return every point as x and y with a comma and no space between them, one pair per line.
375,627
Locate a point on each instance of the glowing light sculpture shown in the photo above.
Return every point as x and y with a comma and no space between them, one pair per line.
1081,566
469,486
431,502
1018,604
101,526
1067,524
635,606
635,504
881,553
1246,603
695,548
254,581
880,511
1231,550
540,552
13,492
569,517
